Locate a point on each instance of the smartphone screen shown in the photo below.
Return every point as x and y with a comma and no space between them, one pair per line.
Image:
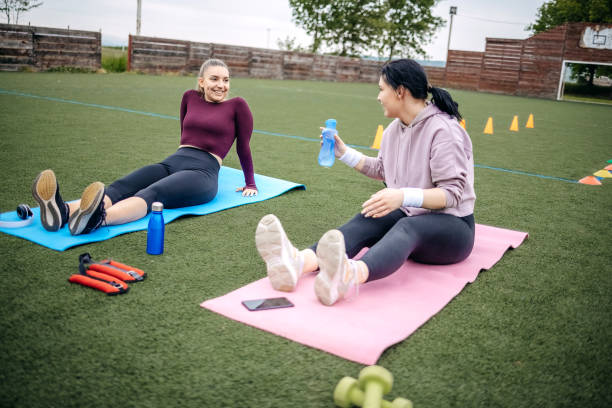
270,303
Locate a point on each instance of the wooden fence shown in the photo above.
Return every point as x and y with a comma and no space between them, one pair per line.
42,48
160,55
530,67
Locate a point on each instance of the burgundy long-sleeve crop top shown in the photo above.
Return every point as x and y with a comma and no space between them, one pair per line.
213,127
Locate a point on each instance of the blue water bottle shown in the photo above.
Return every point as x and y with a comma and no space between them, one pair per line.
326,155
155,232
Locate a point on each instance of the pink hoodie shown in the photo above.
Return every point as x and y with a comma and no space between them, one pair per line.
433,151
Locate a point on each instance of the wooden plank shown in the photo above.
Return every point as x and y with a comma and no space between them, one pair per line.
93,48
155,59
15,51
16,59
159,46
157,40
14,36
16,44
67,53
159,52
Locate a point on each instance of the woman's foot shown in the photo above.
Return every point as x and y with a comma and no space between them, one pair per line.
284,262
53,210
337,273
90,215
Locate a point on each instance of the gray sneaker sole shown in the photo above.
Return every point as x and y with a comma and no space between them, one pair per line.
90,200
43,191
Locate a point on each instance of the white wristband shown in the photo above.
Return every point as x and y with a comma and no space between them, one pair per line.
413,197
351,157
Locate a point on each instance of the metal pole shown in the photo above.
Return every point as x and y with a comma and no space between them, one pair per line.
138,10
452,12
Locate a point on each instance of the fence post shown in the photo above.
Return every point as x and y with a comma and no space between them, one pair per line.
129,59
34,51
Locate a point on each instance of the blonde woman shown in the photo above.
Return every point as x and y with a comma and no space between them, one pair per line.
210,124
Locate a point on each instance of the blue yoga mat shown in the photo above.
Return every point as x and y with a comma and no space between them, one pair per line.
227,197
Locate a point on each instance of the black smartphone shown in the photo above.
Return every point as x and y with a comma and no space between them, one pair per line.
269,303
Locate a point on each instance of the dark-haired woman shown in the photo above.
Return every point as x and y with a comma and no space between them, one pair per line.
209,126
425,213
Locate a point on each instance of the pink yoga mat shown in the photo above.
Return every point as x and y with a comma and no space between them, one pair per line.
385,312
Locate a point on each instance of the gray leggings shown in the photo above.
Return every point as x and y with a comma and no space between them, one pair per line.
432,238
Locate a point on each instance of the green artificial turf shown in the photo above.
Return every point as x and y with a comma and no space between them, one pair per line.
534,330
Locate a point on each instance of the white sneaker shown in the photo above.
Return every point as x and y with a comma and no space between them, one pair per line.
284,263
331,284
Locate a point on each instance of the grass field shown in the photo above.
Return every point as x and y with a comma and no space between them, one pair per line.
581,98
534,330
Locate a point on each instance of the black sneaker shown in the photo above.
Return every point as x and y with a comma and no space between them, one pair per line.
53,210
90,215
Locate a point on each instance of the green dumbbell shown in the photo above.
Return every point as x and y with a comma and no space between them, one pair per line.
347,394
375,381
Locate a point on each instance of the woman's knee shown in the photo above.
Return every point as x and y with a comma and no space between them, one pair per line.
442,240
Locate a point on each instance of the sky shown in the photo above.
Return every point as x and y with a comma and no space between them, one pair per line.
261,23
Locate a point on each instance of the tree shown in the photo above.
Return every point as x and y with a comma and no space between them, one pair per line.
407,25
311,15
12,8
289,44
556,12
354,27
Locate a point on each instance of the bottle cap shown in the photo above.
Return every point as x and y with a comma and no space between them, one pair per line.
330,123
157,206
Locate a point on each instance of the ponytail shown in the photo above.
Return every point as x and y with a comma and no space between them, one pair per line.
444,101
411,75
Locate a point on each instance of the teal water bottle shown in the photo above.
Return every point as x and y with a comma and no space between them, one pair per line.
326,155
155,231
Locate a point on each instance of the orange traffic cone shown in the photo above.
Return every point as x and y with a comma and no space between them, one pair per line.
462,123
529,124
378,137
489,126
514,125
590,180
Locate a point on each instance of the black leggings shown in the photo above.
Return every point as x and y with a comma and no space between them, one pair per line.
188,177
432,238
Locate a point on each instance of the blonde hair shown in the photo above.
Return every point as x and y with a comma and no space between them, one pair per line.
212,62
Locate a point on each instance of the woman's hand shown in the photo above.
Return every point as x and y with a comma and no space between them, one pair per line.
247,192
339,146
383,202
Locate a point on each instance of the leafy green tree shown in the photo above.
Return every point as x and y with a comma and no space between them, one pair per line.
312,16
12,8
407,25
354,27
556,12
